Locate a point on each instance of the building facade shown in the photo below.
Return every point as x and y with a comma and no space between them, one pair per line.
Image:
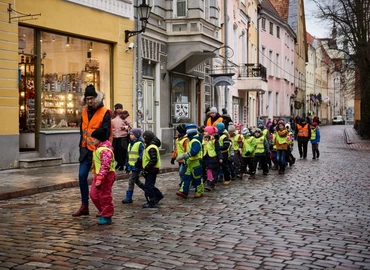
47,61
277,40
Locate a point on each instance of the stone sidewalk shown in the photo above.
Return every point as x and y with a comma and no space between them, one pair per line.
23,182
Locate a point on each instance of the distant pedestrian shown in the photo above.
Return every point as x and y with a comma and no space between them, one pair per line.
262,151
104,176
302,135
226,119
211,157
224,142
122,125
214,117
248,151
315,140
151,166
281,142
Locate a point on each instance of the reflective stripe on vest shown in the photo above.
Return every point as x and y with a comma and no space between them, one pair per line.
313,134
96,160
260,145
209,148
302,131
221,142
146,156
89,126
199,154
180,146
133,153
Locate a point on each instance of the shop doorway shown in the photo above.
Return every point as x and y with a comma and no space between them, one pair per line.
149,113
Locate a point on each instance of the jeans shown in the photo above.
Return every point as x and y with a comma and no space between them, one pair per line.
281,158
83,174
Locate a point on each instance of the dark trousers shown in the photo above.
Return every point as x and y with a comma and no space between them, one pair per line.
248,162
302,147
263,162
150,190
225,166
315,150
83,173
120,150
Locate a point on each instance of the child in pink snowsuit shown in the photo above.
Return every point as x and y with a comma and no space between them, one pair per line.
103,169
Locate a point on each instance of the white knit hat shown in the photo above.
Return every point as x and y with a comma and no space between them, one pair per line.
213,110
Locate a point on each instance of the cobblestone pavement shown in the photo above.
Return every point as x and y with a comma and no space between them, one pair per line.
316,216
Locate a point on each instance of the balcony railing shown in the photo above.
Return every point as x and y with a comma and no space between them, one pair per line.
252,71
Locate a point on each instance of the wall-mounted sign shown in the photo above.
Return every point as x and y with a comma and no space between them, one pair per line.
122,8
182,110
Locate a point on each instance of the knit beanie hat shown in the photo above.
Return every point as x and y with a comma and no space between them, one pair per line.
136,132
220,127
181,129
90,91
148,136
100,134
231,128
213,110
211,130
246,132
191,129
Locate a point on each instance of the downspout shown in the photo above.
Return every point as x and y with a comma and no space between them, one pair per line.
226,45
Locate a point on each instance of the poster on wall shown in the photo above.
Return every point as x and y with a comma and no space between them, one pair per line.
182,110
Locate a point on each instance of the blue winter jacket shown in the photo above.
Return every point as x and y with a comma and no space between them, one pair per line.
317,139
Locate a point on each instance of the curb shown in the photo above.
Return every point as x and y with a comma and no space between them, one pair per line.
67,184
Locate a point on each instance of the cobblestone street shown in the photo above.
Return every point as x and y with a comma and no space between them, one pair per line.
316,216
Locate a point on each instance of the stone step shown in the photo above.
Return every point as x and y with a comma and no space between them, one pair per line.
27,163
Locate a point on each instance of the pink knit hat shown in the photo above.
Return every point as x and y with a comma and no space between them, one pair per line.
211,130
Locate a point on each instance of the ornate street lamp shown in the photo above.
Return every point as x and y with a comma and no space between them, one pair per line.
143,16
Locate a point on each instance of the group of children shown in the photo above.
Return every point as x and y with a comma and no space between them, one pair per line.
142,157
206,155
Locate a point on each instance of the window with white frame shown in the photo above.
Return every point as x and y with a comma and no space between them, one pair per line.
271,64
277,31
271,28
277,109
181,8
263,23
277,65
263,57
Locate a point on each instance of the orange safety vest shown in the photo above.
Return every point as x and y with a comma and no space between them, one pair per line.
89,126
209,123
302,131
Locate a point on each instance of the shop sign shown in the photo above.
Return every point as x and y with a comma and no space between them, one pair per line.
123,8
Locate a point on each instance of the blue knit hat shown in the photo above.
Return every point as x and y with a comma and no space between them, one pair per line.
191,129
220,127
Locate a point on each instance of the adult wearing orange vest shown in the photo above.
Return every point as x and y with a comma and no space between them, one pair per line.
302,135
94,116
214,117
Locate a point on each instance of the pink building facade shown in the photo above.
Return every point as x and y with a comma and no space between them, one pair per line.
277,43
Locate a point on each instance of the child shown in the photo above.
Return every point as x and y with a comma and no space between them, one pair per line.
315,140
151,165
247,151
235,156
262,151
134,163
281,142
211,157
193,174
104,176
290,157
181,144
224,143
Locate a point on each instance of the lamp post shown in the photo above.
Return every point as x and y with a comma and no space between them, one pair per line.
143,15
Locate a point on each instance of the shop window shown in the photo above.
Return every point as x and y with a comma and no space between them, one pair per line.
68,65
180,99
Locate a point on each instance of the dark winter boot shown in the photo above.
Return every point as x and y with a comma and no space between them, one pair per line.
151,203
128,198
318,154
209,186
158,196
83,211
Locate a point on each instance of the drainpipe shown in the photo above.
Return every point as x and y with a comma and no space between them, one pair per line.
226,45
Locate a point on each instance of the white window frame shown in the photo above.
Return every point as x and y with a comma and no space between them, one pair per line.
263,24
176,3
271,60
277,65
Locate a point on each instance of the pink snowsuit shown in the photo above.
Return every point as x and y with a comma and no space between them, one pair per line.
104,178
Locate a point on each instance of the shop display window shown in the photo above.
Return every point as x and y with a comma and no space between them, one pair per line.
68,65
180,99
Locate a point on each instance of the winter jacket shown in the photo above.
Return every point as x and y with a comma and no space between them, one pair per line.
122,124
318,136
106,157
226,119
153,156
138,163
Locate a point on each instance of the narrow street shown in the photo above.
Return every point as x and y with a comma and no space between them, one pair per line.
316,216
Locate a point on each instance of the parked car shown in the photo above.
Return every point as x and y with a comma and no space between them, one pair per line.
338,120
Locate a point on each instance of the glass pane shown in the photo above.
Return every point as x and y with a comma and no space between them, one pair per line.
70,64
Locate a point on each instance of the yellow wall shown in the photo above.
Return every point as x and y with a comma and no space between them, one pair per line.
64,17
